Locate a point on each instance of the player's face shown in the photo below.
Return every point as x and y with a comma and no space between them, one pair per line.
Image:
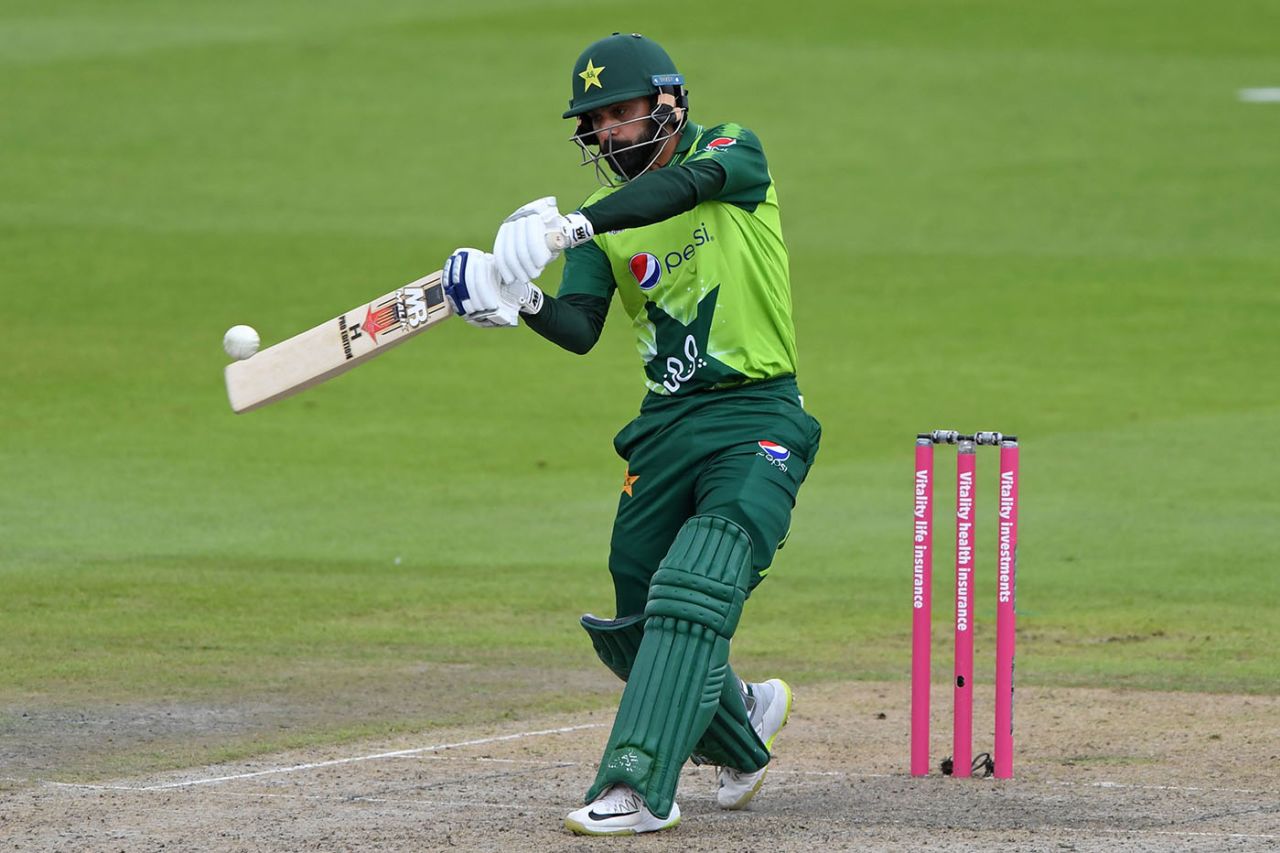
612,131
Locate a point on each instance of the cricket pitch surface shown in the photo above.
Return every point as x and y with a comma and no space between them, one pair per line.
1095,770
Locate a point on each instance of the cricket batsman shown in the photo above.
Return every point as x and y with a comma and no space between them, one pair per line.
686,232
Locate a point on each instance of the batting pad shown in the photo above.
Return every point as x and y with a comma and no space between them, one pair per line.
729,740
695,601
616,641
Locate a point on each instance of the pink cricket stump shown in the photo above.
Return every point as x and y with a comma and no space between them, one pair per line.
962,729
922,605
1007,563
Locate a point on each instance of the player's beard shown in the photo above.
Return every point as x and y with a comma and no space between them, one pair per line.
631,163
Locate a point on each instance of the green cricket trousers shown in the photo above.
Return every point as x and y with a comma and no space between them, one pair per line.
740,453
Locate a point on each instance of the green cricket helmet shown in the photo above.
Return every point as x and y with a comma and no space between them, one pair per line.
618,68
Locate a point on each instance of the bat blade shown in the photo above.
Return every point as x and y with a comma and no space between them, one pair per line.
335,347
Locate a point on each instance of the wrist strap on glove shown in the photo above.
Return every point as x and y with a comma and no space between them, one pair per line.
577,229
531,300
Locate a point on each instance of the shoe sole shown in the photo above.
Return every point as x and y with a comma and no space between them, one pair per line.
786,715
581,829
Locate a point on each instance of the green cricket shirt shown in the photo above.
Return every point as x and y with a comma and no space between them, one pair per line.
695,253
707,288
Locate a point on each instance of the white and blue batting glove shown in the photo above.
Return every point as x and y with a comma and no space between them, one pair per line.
478,296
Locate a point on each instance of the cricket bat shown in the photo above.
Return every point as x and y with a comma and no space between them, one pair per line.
337,346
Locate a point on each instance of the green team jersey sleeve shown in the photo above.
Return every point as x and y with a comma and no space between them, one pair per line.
739,154
694,251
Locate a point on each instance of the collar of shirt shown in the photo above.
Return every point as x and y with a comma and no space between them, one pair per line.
688,136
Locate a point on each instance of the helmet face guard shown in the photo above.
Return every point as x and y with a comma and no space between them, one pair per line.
627,163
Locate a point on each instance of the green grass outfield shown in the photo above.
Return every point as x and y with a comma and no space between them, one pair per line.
1052,218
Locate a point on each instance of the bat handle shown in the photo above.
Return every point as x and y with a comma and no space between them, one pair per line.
555,241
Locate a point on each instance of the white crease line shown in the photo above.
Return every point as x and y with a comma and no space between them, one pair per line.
406,801
251,795
400,753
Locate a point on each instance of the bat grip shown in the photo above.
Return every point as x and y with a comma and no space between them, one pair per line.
555,241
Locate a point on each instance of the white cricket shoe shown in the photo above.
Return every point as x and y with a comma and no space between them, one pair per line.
769,708
618,811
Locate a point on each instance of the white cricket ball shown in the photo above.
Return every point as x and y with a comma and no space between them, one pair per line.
240,342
